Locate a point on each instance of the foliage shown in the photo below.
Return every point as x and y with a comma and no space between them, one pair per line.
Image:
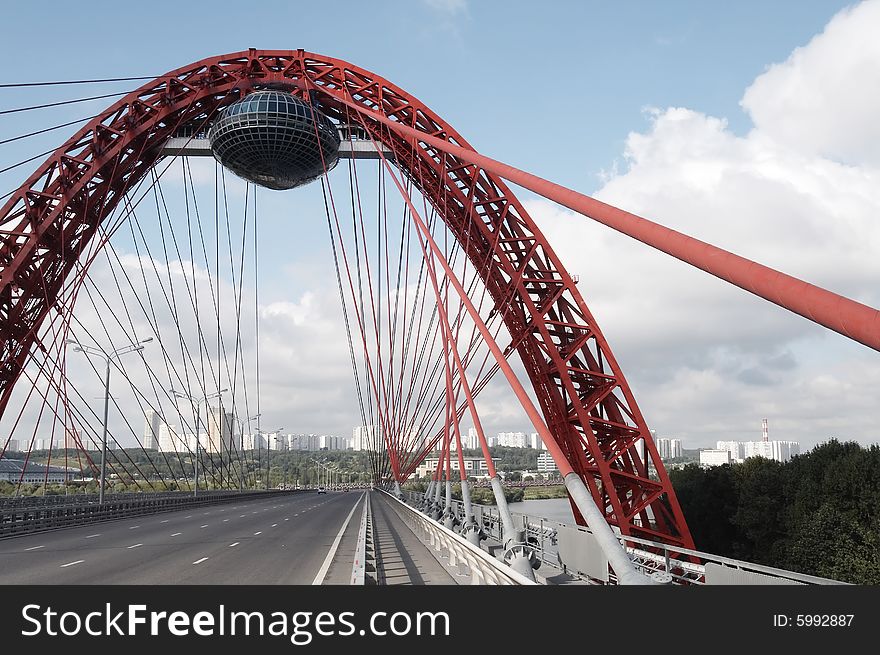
818,513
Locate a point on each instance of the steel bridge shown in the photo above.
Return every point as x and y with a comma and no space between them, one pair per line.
444,280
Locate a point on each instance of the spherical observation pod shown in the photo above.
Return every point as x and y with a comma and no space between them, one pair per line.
585,400
274,139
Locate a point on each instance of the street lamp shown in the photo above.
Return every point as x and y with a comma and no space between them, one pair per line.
92,350
241,434
198,404
268,432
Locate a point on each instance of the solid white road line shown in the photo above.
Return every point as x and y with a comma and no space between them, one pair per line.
34,548
134,546
199,561
319,578
79,561
92,536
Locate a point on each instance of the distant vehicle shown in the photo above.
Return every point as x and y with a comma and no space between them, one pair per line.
322,490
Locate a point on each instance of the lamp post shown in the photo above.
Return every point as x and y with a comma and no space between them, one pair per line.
267,433
198,404
241,433
92,350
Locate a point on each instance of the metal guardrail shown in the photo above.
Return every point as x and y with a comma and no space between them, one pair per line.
365,536
26,520
470,560
649,557
92,498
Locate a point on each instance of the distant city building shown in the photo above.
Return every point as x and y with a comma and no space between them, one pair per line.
546,463
220,432
512,440
668,448
475,467
471,441
13,470
12,446
367,437
739,451
714,457
152,424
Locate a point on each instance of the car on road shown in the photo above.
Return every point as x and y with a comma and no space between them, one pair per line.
322,490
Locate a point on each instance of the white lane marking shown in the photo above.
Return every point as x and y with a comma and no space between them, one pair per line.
134,527
233,545
134,546
205,526
319,578
256,533
165,521
242,516
92,536
274,525
286,518
176,533
205,513
79,561
199,561
225,520
188,517
34,548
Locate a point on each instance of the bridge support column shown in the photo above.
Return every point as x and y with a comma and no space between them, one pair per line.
429,495
436,509
516,551
469,529
623,567
449,518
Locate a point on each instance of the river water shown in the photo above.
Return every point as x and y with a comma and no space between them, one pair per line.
554,509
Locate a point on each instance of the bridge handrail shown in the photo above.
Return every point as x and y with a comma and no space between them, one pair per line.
648,556
483,568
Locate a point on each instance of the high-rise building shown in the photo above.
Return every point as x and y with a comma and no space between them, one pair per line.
368,437
669,448
781,451
472,441
220,433
546,463
714,457
152,423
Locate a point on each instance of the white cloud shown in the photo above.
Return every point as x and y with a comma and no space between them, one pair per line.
801,193
824,98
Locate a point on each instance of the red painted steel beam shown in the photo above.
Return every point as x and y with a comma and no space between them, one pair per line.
845,316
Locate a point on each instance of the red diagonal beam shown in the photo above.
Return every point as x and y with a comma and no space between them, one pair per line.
843,315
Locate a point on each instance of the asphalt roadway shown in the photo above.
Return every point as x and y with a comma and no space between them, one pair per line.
282,540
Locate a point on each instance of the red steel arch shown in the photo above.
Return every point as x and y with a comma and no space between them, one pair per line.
585,399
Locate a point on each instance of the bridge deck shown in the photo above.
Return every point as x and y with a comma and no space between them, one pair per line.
285,539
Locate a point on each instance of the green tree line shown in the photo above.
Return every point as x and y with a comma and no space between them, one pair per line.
818,513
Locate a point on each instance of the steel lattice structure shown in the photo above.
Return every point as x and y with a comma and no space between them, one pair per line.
583,395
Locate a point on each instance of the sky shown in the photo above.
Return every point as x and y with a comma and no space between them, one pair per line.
750,125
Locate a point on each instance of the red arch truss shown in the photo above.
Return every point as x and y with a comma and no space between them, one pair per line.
585,399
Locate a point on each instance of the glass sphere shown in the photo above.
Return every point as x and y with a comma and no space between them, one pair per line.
274,139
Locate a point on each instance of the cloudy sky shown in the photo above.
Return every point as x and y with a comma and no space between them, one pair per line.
752,127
